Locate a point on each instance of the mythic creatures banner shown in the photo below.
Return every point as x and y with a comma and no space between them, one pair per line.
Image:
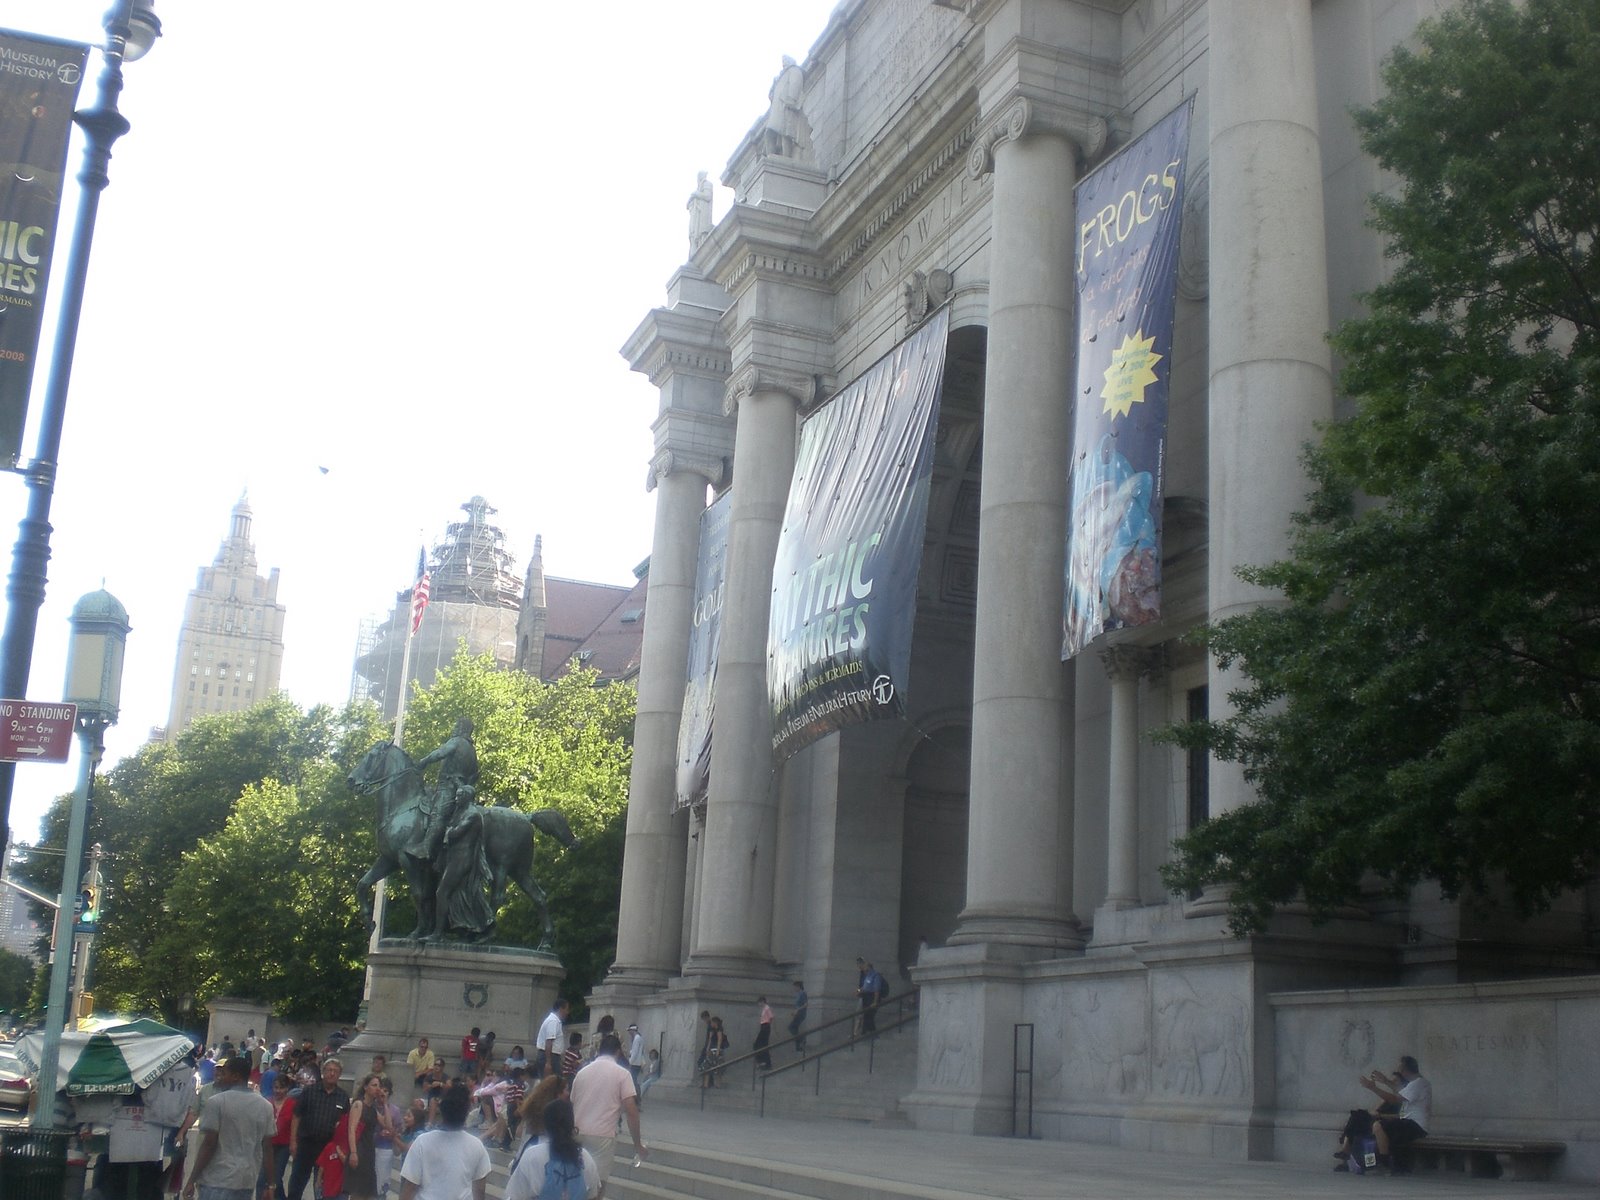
1129,219
699,694
39,82
844,585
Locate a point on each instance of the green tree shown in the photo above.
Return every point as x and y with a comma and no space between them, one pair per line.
1425,703
162,802
16,981
564,744
265,908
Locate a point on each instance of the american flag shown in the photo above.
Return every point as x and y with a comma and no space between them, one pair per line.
419,593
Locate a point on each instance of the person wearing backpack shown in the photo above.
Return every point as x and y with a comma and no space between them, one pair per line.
557,1167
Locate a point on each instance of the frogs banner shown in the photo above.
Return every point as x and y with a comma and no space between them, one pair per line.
844,584
39,82
705,635
1129,219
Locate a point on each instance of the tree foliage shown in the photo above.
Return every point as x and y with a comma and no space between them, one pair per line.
162,803
1425,703
16,981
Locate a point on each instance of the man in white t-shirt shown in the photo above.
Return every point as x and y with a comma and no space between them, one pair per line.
447,1163
548,1056
236,1131
636,1058
1414,1095
602,1092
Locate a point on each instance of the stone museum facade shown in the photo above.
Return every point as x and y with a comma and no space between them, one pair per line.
923,155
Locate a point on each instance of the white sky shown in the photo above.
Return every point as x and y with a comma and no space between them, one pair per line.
397,240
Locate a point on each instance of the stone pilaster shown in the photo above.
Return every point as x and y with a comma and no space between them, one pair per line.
681,349
1019,885
1124,665
1271,379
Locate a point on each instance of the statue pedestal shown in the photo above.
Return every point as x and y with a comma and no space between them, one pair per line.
440,991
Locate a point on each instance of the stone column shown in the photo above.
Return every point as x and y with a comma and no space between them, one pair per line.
649,922
739,847
1271,379
682,350
1018,890
1124,666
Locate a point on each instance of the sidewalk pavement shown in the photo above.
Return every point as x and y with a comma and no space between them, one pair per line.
1014,1169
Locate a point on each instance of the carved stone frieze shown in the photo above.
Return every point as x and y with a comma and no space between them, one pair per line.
1024,116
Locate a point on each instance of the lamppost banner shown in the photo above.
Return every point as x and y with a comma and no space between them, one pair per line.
1129,219
39,82
699,694
844,583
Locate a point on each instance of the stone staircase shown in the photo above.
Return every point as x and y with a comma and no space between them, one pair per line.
691,1173
863,1083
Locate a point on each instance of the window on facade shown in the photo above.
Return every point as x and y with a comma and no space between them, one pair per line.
205,689
250,677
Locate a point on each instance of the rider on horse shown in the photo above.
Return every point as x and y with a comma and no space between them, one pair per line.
453,792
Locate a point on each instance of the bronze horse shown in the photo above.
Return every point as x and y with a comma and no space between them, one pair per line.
505,834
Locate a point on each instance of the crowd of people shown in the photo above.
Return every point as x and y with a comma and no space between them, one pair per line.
255,1121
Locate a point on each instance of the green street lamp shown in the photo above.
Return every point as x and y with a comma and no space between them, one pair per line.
131,29
94,683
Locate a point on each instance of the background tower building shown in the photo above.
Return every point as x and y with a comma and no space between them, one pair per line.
230,650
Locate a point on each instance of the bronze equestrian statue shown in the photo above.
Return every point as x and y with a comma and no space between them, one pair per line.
457,856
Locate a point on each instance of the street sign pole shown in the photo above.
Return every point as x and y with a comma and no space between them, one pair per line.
61,969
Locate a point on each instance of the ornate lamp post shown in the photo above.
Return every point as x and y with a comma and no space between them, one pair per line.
94,683
131,29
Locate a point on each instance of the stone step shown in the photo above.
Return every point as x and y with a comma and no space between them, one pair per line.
684,1172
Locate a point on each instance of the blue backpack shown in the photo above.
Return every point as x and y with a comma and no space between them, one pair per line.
563,1181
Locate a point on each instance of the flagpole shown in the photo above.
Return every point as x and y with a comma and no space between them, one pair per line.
380,895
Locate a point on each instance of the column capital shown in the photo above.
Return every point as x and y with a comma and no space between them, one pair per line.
755,377
1128,662
672,462
1025,115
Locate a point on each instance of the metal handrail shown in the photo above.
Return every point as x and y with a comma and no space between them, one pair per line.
756,1074
898,1023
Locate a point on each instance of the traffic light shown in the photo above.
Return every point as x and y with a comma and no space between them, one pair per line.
85,1006
90,912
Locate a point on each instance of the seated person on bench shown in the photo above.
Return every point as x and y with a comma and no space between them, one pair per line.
1414,1095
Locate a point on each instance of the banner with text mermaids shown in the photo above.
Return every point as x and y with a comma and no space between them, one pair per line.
844,584
1129,218
39,81
705,635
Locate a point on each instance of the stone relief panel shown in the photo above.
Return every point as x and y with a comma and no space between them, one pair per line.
1094,1039
947,1058
1201,1029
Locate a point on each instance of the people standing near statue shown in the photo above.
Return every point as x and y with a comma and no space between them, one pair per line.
421,1061
601,1093
458,770
558,1165
447,1163
548,1056
316,1116
469,1054
572,1060
235,1138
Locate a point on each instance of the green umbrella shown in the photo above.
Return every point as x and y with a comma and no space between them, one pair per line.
110,1061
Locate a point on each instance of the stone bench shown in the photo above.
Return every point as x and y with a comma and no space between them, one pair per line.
1488,1157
